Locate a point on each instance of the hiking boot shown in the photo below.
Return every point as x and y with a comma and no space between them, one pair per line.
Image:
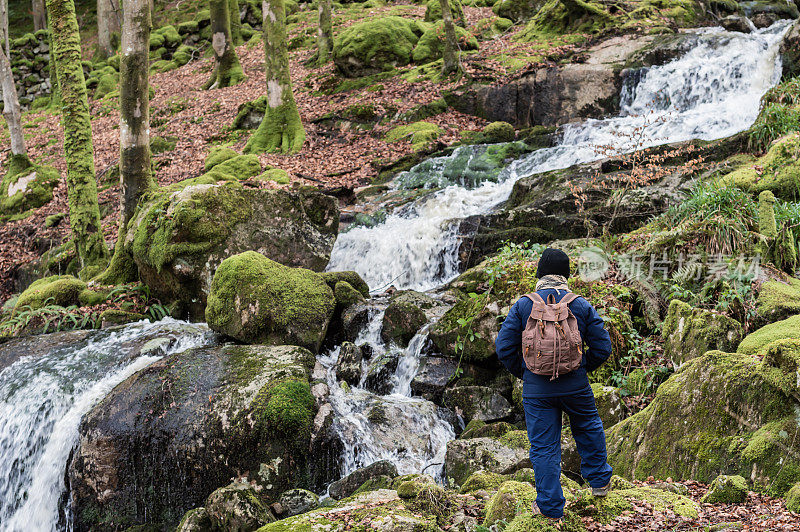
555,522
601,492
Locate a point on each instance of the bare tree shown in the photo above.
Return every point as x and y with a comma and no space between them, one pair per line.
324,32
11,109
39,15
84,211
227,71
108,24
451,64
281,129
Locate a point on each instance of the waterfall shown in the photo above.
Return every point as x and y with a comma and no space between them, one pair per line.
42,401
711,92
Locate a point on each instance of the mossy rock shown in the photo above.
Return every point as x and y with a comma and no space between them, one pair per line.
433,12
605,510
778,300
119,317
409,489
778,171
421,134
60,290
609,404
237,507
346,295
517,10
511,499
106,84
793,499
499,132
719,414
781,366
691,332
350,277
275,175
404,316
26,186
257,300
430,46
754,342
477,428
377,45
465,457
195,520
477,314
482,480
218,155
240,168
727,489
219,411
162,144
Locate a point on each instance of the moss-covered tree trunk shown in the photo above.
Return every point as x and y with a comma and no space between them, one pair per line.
84,212
55,91
227,71
39,15
281,129
236,22
108,25
11,109
450,56
324,32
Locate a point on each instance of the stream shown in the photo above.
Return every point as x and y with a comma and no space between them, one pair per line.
710,92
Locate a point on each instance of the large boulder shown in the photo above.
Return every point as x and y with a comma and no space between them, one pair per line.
777,300
377,45
404,316
790,52
165,438
512,498
346,486
434,374
786,329
720,413
450,334
779,175
517,10
477,402
26,186
609,404
257,300
465,457
690,332
178,238
430,46
727,489
237,508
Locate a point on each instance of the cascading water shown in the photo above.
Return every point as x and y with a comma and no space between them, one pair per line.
711,92
42,401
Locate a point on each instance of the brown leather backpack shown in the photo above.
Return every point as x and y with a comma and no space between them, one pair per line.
551,341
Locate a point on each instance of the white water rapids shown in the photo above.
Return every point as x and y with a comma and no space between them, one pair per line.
710,92
42,400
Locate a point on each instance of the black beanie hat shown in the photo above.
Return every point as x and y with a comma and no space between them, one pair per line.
553,262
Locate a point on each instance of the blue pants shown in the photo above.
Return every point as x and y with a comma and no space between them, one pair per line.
543,419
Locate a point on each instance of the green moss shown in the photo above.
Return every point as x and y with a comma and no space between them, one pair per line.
346,295
482,480
161,144
410,489
350,277
781,365
376,45
430,46
690,332
286,407
106,84
240,167
766,214
618,501
119,317
433,12
421,134
171,36
516,10
61,290
156,40
777,171
727,490
758,340
92,296
793,499
217,156
499,132
276,175
26,185
528,523
512,498
516,439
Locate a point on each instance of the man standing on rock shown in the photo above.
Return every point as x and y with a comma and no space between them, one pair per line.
542,342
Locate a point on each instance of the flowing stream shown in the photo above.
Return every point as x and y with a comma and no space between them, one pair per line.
42,400
710,92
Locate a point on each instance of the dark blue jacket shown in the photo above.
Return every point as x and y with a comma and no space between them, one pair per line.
597,347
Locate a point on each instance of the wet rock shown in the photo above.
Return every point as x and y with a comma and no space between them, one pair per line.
326,447
352,278
433,376
297,501
256,300
609,404
691,332
720,413
348,485
348,365
404,316
765,20
477,402
479,429
185,426
790,52
735,23
465,457
237,508
178,252
196,520
354,318
380,373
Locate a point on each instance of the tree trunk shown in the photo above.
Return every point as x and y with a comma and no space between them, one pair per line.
108,25
236,22
451,64
136,176
4,38
55,91
39,15
324,32
84,212
281,129
228,71
11,105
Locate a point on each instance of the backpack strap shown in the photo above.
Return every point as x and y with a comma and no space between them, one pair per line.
569,298
536,298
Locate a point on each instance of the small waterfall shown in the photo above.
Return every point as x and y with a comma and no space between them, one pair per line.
711,92
42,401
407,430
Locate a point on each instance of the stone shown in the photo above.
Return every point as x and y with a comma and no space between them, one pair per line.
757,340
348,364
777,300
465,457
297,501
790,52
380,372
446,333
691,332
793,499
409,489
26,185
196,520
735,23
256,300
179,238
477,402
430,46
237,508
433,376
609,404
208,414
512,498
346,486
517,10
727,489
404,316
354,318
